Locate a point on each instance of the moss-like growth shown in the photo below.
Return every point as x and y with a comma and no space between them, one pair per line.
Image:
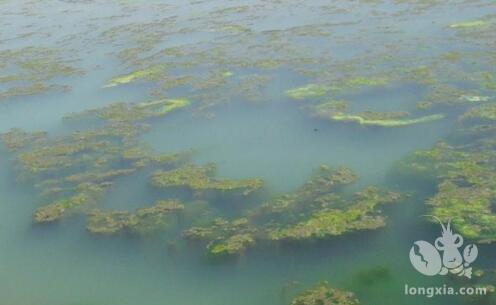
124,112
464,174
225,238
199,178
233,245
469,24
384,122
484,113
361,81
329,108
86,194
150,73
470,208
307,91
361,214
142,221
16,138
323,294
334,111
317,192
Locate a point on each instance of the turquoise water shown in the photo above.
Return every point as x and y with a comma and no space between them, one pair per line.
274,139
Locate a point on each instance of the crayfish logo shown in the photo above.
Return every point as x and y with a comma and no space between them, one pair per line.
444,256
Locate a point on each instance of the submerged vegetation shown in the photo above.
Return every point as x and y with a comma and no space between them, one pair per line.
129,68
463,167
142,221
316,210
198,178
323,294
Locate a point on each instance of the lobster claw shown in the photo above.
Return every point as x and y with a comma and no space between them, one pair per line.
470,253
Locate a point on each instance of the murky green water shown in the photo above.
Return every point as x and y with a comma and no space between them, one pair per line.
248,127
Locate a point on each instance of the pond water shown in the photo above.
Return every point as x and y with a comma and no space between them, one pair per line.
272,136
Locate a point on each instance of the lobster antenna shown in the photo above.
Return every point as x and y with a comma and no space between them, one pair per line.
440,222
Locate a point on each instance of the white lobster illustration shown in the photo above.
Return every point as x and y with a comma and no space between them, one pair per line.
427,259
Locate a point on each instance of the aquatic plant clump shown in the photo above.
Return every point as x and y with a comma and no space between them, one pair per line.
469,24
224,237
359,214
151,73
142,221
86,194
124,112
482,113
235,244
383,121
464,172
199,178
307,91
323,294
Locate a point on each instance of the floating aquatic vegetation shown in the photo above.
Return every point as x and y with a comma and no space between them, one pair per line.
307,91
447,95
17,138
482,113
464,174
85,162
421,75
469,24
225,238
125,112
489,82
30,69
199,178
382,119
360,81
86,194
360,214
313,211
142,221
326,109
148,74
233,245
470,209
324,181
323,294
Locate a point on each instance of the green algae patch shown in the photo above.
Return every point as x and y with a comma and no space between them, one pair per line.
358,82
470,209
224,237
16,138
33,71
142,221
463,171
308,91
149,74
329,108
74,171
359,215
233,245
86,194
125,112
362,119
334,111
315,210
317,191
469,24
199,178
483,113
323,294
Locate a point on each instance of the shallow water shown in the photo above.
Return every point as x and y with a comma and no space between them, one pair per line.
274,139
